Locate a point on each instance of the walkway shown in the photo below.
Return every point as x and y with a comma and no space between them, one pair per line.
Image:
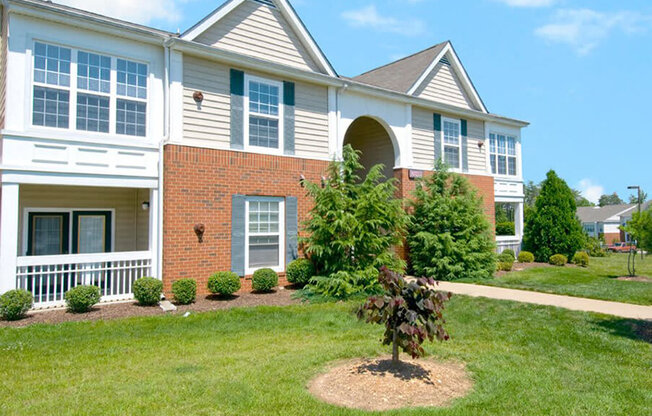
625,310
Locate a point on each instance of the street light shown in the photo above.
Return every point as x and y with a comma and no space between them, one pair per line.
638,188
632,252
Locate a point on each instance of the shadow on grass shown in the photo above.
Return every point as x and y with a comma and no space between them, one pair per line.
629,328
403,371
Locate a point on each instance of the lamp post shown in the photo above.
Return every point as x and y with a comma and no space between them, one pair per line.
632,252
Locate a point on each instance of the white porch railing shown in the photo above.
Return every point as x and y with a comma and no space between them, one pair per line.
49,277
503,244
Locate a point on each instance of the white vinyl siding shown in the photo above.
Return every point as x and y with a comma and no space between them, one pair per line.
259,31
423,139
443,85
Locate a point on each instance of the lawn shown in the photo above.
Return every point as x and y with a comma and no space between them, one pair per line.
598,281
524,359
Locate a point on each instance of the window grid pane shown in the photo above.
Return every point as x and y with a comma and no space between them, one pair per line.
50,107
502,165
51,64
451,133
263,132
502,154
93,72
511,146
92,113
263,217
263,98
131,79
452,156
130,118
511,165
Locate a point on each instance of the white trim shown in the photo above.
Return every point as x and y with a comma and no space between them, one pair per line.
460,168
261,149
44,177
281,233
460,71
9,208
81,258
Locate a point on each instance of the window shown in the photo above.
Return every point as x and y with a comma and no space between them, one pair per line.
103,85
264,234
502,154
505,218
264,113
452,148
589,228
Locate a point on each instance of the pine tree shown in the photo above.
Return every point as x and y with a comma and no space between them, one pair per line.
553,227
449,234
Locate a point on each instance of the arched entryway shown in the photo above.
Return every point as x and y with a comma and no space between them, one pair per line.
371,138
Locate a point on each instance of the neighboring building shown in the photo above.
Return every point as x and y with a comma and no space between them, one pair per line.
605,222
118,140
626,217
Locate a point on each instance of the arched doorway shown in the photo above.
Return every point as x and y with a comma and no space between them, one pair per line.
372,139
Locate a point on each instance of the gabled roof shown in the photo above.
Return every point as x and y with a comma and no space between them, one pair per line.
601,214
286,10
408,74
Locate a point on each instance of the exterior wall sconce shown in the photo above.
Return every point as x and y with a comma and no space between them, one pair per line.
302,181
198,97
200,229
323,181
145,205
480,144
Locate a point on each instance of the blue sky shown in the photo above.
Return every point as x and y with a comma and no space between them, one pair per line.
579,71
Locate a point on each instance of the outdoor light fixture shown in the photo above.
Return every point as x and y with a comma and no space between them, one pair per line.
198,96
480,144
145,205
302,181
323,181
200,229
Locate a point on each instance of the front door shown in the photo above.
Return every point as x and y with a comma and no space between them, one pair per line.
91,232
48,233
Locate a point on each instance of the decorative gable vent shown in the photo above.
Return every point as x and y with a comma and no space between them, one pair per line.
445,61
269,3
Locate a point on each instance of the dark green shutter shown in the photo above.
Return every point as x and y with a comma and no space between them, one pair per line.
465,146
288,118
437,128
237,109
291,229
238,244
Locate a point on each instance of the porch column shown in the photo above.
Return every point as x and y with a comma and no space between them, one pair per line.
9,216
154,233
519,220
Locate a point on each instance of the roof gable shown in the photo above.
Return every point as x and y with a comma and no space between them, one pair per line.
602,214
269,30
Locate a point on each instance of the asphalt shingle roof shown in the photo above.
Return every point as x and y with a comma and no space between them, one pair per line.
600,214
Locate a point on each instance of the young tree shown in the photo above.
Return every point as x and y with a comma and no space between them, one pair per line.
633,199
554,228
449,234
612,199
640,229
354,224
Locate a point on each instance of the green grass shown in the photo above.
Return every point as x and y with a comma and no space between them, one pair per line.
524,360
598,281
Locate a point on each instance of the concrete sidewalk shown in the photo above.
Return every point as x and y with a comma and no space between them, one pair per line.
625,310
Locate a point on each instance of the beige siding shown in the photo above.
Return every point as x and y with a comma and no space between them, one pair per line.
444,86
477,155
262,32
311,121
130,221
423,139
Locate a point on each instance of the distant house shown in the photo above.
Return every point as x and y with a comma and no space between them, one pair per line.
606,221
625,218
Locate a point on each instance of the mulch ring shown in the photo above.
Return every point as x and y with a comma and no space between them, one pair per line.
635,278
109,311
376,385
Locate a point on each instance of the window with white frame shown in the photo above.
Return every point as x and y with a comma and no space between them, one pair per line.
264,120
452,143
264,233
502,154
104,84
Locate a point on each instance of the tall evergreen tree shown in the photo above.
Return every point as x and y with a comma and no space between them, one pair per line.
553,228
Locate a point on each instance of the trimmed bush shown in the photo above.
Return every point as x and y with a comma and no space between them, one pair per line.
264,280
80,299
509,252
147,291
505,266
185,291
581,259
525,257
300,271
14,304
506,257
558,260
224,283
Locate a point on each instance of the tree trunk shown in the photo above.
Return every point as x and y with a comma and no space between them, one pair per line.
395,360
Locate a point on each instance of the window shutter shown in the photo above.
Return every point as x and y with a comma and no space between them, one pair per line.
238,244
291,229
465,146
288,118
437,128
237,109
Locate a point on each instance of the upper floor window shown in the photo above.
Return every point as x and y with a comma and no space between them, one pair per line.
104,86
452,143
502,154
264,119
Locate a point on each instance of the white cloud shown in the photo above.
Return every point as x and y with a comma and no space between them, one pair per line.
528,3
584,29
137,11
590,190
368,17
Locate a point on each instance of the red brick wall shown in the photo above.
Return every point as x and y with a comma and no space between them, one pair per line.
198,187
610,238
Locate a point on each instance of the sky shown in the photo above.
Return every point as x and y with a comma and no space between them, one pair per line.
578,71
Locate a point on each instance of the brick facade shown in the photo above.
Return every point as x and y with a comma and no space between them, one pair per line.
199,184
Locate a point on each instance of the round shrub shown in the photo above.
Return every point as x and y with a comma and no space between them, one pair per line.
264,280
80,299
558,260
300,271
525,257
505,266
224,283
509,252
506,258
15,303
147,291
185,291
581,259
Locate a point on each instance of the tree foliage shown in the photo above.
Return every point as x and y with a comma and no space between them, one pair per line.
449,235
411,313
553,227
640,229
612,199
634,199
